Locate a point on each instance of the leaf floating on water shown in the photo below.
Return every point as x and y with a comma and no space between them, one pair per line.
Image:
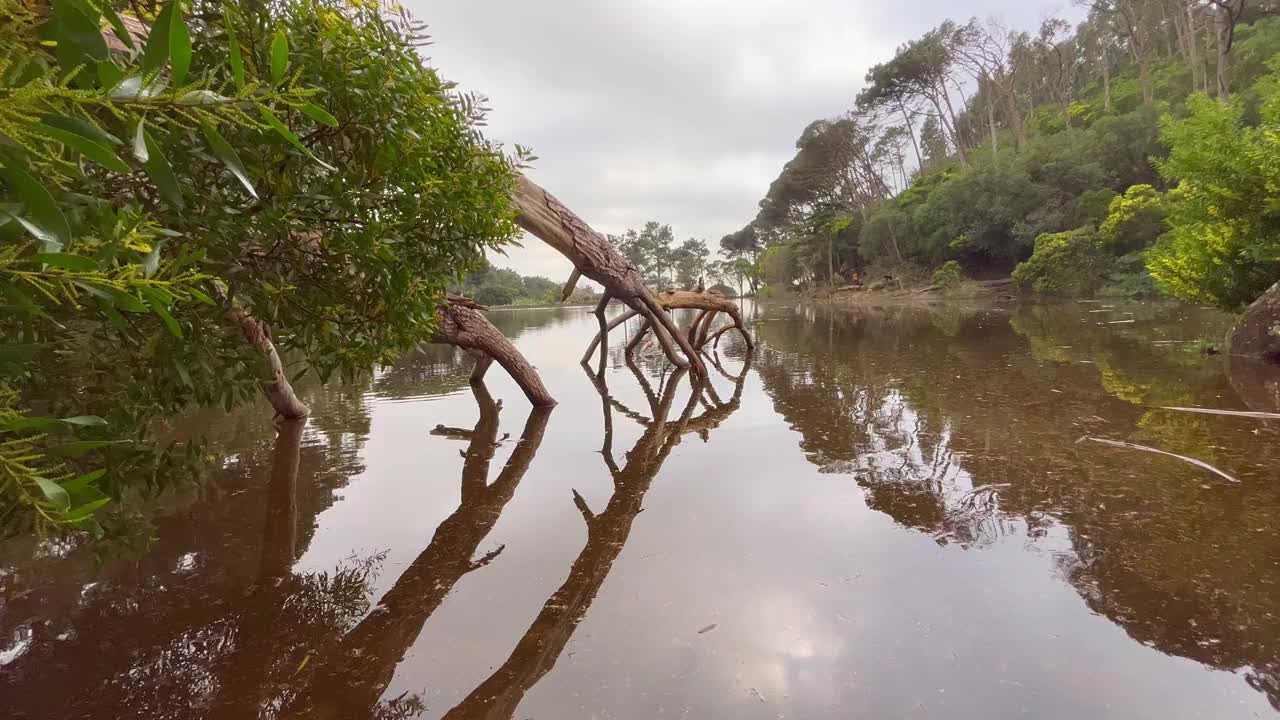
1144,448
1233,413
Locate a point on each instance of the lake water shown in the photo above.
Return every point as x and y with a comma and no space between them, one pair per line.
886,513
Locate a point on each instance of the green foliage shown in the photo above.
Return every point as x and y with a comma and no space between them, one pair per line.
1075,262
663,263
779,267
145,191
1134,220
494,286
495,295
1093,206
949,275
1223,247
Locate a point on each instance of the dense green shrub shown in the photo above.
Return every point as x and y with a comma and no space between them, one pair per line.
1223,247
1093,206
1075,262
949,275
1134,220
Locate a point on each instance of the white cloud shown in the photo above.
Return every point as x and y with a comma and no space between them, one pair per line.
680,111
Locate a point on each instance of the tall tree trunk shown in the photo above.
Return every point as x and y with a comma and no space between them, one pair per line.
1144,77
1014,116
991,118
1106,81
1225,20
955,128
831,259
906,118
1193,49
949,132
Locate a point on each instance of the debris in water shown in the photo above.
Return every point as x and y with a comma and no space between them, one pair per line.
708,628
1233,413
757,694
1144,448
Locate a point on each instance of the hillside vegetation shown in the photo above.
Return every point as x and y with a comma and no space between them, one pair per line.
1135,154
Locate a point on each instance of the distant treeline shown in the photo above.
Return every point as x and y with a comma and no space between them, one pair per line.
495,287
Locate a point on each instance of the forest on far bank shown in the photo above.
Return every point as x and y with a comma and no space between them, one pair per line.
1133,155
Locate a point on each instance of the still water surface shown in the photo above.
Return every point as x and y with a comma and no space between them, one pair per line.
886,513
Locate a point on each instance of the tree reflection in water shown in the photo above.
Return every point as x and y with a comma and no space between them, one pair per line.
975,441
607,532
350,677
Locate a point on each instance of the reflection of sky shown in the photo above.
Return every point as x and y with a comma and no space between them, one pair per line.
821,606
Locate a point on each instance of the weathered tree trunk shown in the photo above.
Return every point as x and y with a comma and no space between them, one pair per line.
277,388
1257,335
464,325
541,214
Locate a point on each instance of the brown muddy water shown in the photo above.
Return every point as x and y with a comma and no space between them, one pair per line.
887,513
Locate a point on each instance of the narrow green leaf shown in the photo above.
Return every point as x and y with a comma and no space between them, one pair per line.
156,53
131,88
279,56
161,173
66,261
85,421
117,25
54,493
78,448
179,46
83,483
22,424
318,114
140,141
200,296
79,39
151,263
115,296
233,46
109,74
43,218
85,511
91,149
158,305
227,154
284,132
80,126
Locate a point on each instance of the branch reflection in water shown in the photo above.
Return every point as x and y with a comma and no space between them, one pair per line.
607,532
350,678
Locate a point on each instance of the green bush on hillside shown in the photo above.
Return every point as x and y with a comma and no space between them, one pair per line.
1075,262
949,275
1134,220
1223,247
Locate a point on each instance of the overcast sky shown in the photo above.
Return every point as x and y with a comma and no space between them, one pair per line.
680,111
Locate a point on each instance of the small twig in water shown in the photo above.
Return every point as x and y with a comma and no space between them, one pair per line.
1144,448
1234,413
